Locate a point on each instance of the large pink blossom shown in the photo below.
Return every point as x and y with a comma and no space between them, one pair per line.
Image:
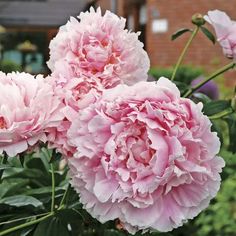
144,156
225,30
98,46
28,107
76,94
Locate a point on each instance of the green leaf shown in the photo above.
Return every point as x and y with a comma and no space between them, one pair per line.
218,130
231,121
112,232
214,107
50,227
36,163
27,231
9,172
12,187
14,161
179,33
21,200
208,34
45,156
200,97
43,190
4,166
35,176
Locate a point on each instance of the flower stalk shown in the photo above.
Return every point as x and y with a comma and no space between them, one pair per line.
53,189
221,114
66,193
10,230
212,76
194,33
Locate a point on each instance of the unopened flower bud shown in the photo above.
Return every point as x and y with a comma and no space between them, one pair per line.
197,19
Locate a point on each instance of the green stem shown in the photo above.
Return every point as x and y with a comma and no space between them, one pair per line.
7,231
23,218
194,33
64,197
53,189
218,72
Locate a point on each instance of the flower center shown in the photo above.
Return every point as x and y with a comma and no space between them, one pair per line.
3,124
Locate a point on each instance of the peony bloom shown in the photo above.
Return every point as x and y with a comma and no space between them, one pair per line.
75,95
98,46
28,108
225,30
144,156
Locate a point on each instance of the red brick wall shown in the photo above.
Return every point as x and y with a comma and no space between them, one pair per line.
164,52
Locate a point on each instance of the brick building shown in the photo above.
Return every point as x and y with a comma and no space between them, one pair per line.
156,19
159,19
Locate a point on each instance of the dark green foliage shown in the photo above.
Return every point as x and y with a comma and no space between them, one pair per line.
214,107
25,186
25,191
9,66
220,217
231,121
185,74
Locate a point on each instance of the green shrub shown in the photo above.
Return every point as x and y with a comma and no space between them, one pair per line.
220,217
9,66
185,74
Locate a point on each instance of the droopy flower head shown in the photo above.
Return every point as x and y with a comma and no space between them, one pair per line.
98,46
28,107
144,156
225,30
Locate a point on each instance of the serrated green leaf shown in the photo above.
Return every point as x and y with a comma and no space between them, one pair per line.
179,33
21,200
208,34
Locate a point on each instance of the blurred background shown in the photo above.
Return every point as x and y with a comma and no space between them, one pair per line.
27,26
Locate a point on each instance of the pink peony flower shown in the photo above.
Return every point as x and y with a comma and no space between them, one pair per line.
28,108
144,156
77,94
98,46
225,30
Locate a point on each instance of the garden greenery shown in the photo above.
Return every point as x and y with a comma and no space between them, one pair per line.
95,149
